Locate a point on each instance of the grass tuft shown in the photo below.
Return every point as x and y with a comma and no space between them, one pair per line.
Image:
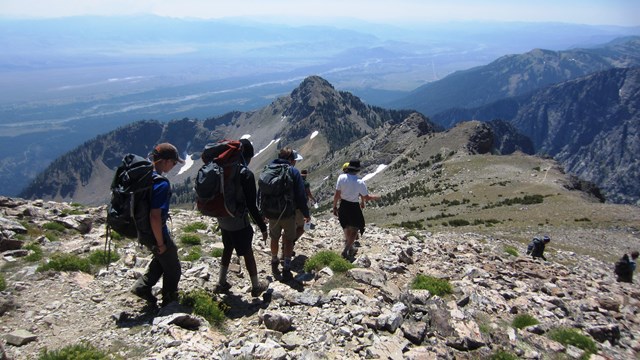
195,253
36,252
523,320
435,286
66,262
511,250
190,239
100,257
203,304
3,283
503,355
194,227
217,252
81,351
327,258
54,226
567,336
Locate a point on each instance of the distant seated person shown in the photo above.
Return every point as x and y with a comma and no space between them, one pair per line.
536,247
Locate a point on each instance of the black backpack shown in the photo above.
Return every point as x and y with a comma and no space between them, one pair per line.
131,191
218,189
276,190
622,267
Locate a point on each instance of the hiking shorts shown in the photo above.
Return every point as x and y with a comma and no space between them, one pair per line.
299,219
350,215
240,240
288,225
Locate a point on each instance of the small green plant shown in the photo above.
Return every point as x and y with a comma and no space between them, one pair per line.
458,222
52,236
195,253
523,320
3,283
66,262
327,258
54,226
81,351
101,257
115,235
194,227
503,355
511,250
36,252
435,286
217,252
203,305
190,239
567,336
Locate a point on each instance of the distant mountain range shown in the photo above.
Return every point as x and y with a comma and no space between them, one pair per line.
341,120
514,75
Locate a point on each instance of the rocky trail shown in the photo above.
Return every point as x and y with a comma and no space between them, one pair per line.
370,312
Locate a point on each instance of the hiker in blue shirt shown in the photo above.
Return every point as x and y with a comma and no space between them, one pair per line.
165,262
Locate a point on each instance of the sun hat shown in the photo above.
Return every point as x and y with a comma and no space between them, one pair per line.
167,151
354,165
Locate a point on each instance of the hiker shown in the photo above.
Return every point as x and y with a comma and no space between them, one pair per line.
237,232
280,209
625,267
536,247
350,191
165,262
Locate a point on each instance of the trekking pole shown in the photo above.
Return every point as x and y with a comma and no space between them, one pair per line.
107,245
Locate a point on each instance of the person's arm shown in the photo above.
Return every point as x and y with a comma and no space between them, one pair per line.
249,189
336,198
309,195
155,218
300,195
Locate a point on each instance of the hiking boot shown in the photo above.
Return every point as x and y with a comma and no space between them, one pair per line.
222,288
261,287
287,275
145,294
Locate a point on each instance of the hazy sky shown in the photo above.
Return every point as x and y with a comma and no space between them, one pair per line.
594,12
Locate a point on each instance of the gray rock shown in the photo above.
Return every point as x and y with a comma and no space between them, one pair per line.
276,321
20,337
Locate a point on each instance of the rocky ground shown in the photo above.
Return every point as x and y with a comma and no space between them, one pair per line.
368,313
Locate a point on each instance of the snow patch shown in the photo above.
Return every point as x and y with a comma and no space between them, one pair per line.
266,147
378,169
314,134
245,136
188,162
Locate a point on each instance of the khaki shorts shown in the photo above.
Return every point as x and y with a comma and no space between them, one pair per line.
288,225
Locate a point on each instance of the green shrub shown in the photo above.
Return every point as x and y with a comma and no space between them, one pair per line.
511,250
327,258
52,236
116,235
217,252
54,226
66,262
36,252
76,352
203,305
567,336
338,280
195,226
523,320
190,239
101,257
195,253
3,283
503,355
458,222
435,286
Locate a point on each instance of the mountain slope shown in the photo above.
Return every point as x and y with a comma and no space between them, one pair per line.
514,75
590,125
315,107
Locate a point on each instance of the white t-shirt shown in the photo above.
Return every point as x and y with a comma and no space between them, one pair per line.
351,187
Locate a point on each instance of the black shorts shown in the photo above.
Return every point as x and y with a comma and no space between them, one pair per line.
240,240
350,215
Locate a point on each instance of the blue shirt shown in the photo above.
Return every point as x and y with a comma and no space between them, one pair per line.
160,199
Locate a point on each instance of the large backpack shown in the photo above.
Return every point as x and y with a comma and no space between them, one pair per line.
131,191
622,267
276,189
218,189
